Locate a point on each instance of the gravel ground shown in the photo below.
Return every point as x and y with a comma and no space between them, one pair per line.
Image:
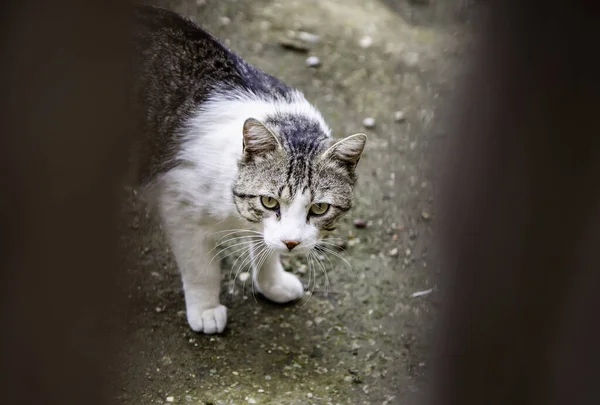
381,67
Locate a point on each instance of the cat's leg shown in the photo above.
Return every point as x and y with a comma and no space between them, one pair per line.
201,279
272,281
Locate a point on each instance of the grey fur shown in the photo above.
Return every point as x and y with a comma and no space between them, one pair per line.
179,67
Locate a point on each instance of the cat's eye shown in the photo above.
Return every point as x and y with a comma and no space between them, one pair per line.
319,208
269,202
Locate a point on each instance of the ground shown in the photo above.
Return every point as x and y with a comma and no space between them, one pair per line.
365,339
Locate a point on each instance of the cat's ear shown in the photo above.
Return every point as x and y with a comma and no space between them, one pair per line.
258,139
347,151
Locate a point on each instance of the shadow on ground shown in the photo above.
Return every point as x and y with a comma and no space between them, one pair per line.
365,341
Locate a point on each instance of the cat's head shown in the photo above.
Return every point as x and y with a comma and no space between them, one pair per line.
296,186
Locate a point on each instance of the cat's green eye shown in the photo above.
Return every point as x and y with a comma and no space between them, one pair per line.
319,208
269,202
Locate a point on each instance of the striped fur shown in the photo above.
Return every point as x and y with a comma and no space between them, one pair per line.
226,135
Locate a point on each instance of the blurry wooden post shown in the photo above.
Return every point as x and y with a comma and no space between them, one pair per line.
521,239
64,139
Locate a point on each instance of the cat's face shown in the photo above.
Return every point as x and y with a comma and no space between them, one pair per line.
297,192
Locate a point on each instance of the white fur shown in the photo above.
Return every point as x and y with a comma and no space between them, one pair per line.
195,203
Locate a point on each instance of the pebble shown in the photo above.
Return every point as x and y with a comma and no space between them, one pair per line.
243,277
268,377
308,37
411,59
353,242
341,244
360,223
420,293
394,252
425,215
399,116
365,42
170,399
369,122
251,400
225,20
293,45
313,61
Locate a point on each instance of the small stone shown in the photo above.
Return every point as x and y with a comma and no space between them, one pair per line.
313,61
425,215
399,116
225,20
158,309
251,400
244,276
309,395
235,373
393,252
293,45
308,37
353,242
341,244
408,252
360,223
369,122
268,377
309,324
411,59
170,399
365,42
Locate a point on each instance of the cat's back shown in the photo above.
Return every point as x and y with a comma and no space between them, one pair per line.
179,67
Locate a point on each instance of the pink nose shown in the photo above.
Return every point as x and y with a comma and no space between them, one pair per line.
291,243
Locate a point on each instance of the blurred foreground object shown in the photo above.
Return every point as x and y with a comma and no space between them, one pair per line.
64,142
521,242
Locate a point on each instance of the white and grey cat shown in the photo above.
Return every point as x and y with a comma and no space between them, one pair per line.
227,146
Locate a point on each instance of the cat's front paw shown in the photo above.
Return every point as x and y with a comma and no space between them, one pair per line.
285,288
208,321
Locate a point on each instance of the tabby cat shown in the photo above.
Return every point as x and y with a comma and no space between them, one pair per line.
228,148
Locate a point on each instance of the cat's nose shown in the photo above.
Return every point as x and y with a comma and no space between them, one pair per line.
291,243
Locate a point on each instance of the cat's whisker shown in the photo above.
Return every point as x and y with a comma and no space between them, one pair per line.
228,242
245,252
262,257
327,284
324,249
222,242
310,270
243,244
247,260
234,230
248,255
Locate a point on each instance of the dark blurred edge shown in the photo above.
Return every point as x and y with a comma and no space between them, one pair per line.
520,239
65,136
521,235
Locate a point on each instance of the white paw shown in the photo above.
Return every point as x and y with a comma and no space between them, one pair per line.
285,288
209,321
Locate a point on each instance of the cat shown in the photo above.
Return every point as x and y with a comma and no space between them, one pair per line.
225,145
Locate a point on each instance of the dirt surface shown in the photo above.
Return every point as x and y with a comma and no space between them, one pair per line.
365,339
